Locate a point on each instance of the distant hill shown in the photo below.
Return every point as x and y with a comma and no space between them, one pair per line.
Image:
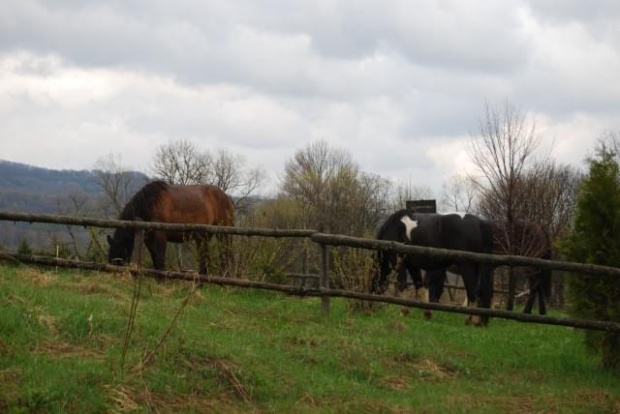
31,189
28,189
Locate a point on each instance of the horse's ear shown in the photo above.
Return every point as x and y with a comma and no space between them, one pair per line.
109,239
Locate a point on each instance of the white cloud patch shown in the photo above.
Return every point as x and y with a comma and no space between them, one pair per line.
399,84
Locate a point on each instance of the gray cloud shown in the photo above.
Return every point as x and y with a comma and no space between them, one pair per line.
398,83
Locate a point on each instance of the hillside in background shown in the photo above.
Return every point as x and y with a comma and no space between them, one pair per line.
28,189
37,190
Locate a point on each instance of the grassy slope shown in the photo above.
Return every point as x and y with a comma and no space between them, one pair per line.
61,340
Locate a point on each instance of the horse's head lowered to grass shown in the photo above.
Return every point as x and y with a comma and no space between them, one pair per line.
120,247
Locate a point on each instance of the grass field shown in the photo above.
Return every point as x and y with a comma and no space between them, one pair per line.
62,336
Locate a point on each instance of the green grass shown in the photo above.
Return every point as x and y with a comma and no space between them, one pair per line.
234,350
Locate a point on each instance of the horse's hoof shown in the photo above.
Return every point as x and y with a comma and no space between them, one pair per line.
428,315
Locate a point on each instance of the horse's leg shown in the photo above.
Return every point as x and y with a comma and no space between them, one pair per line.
469,272
386,261
539,291
485,288
156,245
401,276
415,273
434,281
202,248
533,285
544,289
225,245
542,308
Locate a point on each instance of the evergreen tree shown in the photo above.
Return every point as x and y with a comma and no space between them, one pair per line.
595,239
24,247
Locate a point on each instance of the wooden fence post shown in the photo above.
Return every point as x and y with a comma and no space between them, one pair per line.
138,247
324,281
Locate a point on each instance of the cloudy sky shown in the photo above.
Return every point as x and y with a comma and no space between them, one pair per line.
400,84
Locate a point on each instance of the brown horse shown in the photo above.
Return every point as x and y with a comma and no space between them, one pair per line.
158,201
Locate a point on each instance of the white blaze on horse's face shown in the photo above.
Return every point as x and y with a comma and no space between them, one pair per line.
409,225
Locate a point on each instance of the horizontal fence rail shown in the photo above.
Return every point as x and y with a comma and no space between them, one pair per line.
319,238
312,292
323,240
150,225
498,260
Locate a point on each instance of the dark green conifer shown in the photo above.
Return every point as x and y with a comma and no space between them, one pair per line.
595,239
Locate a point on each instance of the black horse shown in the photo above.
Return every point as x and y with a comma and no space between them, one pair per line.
522,238
453,231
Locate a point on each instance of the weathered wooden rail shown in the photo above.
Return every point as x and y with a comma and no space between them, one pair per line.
310,292
323,240
498,260
149,225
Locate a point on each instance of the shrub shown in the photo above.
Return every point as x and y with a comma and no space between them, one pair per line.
24,247
595,239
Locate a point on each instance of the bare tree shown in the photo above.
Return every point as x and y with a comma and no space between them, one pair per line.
406,192
552,192
117,183
550,196
74,205
373,193
335,195
306,178
459,195
503,151
226,170
181,162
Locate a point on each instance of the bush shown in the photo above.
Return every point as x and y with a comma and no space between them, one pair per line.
595,239
24,247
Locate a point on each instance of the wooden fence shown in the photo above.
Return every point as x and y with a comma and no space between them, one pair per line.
324,241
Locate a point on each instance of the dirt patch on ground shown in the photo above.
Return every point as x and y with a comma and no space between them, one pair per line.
4,348
308,403
232,390
581,401
127,399
66,350
311,342
49,322
9,388
230,376
598,398
411,369
37,277
93,287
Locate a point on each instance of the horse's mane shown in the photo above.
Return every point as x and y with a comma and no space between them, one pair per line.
140,205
